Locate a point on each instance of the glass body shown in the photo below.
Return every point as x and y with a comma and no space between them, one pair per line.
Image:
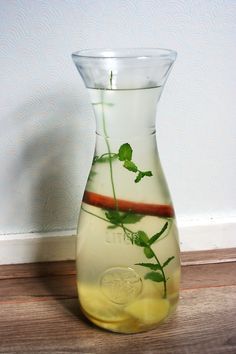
128,264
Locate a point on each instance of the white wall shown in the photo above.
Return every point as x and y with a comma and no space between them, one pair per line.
47,126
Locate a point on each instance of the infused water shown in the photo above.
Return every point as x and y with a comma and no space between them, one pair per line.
128,263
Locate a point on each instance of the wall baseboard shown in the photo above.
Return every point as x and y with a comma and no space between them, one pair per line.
37,247
208,236
57,246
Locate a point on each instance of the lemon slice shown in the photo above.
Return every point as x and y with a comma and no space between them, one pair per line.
173,282
149,310
96,306
152,290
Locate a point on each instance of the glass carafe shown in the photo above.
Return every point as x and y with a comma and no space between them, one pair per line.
128,264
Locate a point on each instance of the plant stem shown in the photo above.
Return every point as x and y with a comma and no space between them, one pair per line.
154,255
109,151
125,229
112,154
126,232
97,216
162,272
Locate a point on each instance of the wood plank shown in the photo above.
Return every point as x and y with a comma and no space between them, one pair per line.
210,256
64,286
30,270
204,323
68,267
208,275
41,314
31,289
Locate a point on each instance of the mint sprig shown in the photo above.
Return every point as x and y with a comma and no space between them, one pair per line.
118,218
125,154
104,158
141,239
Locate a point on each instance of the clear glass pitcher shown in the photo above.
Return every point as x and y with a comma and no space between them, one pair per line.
128,263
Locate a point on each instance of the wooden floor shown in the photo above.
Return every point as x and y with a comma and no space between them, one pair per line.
39,312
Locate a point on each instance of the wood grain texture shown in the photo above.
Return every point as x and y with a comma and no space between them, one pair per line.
35,270
68,267
210,256
40,314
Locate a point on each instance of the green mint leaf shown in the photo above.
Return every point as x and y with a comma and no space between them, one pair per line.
113,216
167,261
151,266
154,276
148,252
142,174
139,177
105,158
158,234
125,152
131,218
147,173
141,239
112,226
117,217
130,166
110,214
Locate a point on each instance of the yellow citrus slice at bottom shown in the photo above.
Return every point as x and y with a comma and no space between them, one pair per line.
149,310
97,306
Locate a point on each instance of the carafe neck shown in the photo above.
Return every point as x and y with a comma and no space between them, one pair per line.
125,113
125,86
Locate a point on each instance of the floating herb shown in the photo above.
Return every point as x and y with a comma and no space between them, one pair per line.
167,261
142,174
152,266
104,157
154,276
118,218
155,237
125,154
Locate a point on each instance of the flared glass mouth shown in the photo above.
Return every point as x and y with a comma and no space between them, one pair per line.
127,53
126,68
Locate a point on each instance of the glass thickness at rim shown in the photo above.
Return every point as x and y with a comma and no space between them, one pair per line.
126,53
